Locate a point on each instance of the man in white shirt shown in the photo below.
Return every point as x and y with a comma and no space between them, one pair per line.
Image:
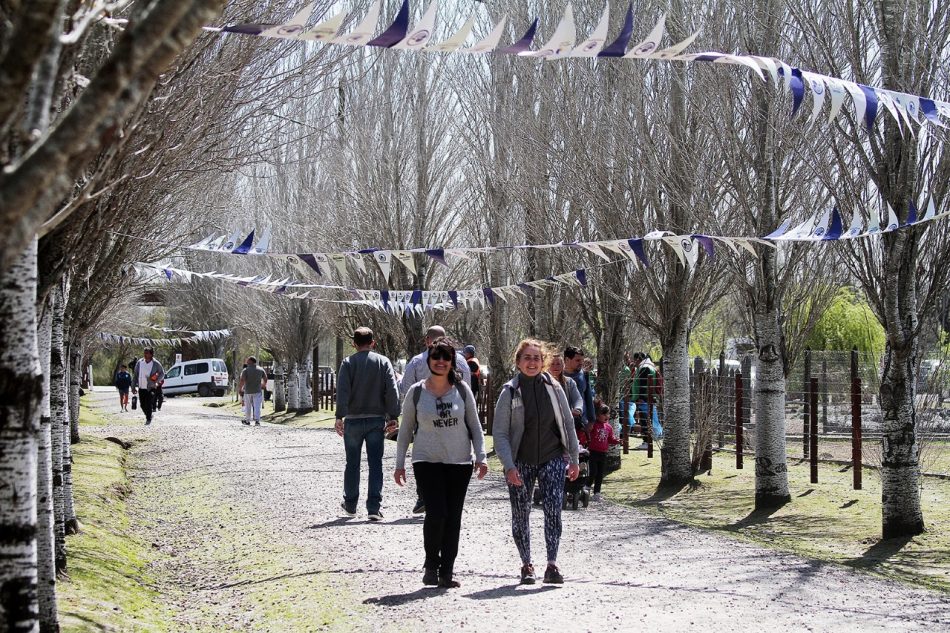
418,369
146,377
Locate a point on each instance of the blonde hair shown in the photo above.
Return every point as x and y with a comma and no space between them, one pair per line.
531,342
555,353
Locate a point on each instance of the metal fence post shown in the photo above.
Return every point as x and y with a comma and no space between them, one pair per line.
648,426
813,431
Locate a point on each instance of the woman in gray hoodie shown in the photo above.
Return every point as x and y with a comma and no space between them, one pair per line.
440,419
535,441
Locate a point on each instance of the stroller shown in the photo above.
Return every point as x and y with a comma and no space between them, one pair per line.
579,489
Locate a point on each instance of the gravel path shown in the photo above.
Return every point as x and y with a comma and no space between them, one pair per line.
624,570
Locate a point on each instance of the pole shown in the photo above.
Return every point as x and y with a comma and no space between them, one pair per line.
625,424
739,420
813,431
806,412
648,425
856,451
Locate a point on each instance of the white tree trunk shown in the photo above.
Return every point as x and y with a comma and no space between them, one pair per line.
45,540
771,470
279,394
677,467
71,523
75,378
59,420
305,393
22,387
293,391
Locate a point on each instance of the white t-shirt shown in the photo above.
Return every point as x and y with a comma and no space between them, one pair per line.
145,370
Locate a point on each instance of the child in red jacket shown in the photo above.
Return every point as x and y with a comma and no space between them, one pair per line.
601,438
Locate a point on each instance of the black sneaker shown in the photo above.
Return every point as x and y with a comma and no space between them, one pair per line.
376,516
527,575
552,575
345,508
245,423
430,577
420,506
447,582
147,422
257,422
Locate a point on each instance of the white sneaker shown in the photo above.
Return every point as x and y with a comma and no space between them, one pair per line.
596,497
642,447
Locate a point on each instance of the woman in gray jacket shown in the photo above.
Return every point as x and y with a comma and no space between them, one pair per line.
535,441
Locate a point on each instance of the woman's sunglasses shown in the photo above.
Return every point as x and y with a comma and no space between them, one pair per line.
440,354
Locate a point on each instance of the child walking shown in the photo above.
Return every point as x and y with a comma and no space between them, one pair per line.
601,439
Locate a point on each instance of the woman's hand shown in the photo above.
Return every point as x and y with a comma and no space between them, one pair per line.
338,425
481,469
400,476
573,471
514,477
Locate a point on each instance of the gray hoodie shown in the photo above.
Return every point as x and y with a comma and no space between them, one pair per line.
508,425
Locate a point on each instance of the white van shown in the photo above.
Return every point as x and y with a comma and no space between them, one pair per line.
204,376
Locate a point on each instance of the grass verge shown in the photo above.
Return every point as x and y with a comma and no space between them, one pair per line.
110,586
827,521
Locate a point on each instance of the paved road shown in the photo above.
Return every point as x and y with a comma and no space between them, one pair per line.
624,570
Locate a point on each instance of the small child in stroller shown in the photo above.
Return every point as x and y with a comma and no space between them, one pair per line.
577,491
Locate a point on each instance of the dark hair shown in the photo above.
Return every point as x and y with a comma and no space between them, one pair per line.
362,336
639,356
445,346
600,407
571,351
149,350
124,367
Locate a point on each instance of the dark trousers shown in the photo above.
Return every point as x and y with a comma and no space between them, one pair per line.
597,463
443,491
147,402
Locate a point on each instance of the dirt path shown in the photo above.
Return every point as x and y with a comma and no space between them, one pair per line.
248,520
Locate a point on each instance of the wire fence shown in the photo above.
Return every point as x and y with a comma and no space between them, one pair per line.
831,412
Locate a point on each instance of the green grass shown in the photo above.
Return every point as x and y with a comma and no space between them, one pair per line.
827,521
109,584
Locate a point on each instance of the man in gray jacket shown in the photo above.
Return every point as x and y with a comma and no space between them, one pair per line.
146,378
366,397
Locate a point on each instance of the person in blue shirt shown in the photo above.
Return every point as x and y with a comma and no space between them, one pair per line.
123,382
573,369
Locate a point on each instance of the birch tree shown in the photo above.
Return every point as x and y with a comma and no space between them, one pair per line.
899,46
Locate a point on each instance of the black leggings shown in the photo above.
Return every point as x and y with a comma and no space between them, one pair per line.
443,488
596,464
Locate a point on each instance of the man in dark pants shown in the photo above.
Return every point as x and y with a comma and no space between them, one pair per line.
366,396
146,376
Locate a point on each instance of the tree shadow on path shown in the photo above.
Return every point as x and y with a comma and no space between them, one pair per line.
880,552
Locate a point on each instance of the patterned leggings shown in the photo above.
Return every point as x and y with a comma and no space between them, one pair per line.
550,478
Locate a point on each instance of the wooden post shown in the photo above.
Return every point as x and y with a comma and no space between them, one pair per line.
490,418
315,390
856,449
739,420
806,413
625,424
824,396
813,431
648,425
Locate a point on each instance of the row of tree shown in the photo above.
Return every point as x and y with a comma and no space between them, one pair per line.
121,140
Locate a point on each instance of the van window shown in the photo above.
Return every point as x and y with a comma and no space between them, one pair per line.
174,372
219,365
196,368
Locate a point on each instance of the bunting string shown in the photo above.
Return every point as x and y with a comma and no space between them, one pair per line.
197,335
906,109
